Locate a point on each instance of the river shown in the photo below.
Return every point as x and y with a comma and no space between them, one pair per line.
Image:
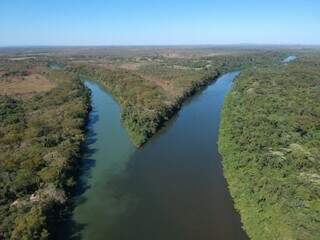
171,188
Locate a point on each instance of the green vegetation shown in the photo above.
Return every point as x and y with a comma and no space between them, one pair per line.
40,138
270,142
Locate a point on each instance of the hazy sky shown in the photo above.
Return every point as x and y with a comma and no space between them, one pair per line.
163,22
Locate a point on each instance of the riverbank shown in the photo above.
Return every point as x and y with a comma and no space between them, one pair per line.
270,144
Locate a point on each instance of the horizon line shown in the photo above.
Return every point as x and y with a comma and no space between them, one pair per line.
159,45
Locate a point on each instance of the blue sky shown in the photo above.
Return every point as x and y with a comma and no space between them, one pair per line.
163,22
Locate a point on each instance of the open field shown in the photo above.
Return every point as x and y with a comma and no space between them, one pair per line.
26,86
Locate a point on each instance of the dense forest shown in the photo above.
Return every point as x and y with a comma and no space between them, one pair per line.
40,136
270,142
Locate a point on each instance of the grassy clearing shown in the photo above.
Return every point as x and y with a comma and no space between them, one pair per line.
26,86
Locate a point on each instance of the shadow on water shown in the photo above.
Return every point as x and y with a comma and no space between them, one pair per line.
97,200
87,151
69,228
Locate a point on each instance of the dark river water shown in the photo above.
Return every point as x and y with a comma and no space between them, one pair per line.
170,189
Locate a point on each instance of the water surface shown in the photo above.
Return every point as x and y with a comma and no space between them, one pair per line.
171,188
289,59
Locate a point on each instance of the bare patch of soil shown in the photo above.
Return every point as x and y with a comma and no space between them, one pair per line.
26,86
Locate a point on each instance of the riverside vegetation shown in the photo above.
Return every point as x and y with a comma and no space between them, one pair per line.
270,142
43,114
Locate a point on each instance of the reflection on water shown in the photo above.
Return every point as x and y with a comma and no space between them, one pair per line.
172,188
